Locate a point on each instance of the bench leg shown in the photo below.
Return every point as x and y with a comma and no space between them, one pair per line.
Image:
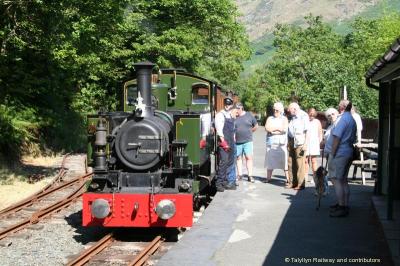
354,172
363,176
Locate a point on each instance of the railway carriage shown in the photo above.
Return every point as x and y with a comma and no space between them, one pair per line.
148,168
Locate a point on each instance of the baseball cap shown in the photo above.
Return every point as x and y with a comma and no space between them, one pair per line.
238,105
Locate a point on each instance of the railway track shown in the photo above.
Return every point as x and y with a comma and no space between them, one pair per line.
45,191
61,193
128,248
133,257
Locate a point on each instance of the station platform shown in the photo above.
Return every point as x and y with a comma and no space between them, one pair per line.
266,224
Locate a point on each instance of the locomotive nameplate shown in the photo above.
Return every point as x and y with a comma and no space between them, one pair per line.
149,137
148,151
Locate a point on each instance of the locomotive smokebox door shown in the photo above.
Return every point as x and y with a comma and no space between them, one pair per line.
141,144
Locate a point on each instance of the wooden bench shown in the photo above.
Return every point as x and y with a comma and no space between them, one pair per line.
365,165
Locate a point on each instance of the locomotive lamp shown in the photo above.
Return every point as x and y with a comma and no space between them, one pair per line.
172,93
100,208
165,209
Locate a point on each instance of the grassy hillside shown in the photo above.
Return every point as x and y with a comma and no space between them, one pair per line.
263,48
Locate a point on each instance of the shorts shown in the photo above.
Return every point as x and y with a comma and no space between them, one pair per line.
338,167
244,148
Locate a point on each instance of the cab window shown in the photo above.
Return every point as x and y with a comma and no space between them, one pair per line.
200,95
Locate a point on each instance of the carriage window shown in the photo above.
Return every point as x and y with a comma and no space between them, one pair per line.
132,91
131,94
200,95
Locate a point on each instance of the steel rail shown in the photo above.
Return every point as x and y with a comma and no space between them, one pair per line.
145,254
43,213
87,254
29,201
25,202
37,216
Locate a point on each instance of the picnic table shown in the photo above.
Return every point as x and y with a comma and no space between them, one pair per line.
368,158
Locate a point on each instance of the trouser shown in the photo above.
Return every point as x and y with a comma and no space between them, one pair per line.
296,165
224,166
232,174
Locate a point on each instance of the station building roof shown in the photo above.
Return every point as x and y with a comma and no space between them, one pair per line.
387,67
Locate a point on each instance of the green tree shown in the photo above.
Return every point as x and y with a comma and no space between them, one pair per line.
365,44
309,62
200,36
60,60
315,62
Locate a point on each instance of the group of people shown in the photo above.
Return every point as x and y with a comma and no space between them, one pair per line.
234,128
293,142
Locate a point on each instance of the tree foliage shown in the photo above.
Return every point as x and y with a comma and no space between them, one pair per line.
314,62
62,59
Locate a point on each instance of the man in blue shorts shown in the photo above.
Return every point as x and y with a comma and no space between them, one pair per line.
245,125
343,137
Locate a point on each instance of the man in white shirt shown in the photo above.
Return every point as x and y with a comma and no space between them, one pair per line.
225,129
359,124
297,139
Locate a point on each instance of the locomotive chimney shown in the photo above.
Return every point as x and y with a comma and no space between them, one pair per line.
143,76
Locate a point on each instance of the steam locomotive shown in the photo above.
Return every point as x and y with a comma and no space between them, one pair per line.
148,168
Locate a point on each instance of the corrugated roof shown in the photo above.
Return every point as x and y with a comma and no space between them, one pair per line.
391,54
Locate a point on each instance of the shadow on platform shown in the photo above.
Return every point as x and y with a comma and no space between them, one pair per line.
308,236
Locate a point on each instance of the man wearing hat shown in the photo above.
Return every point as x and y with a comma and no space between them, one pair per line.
225,128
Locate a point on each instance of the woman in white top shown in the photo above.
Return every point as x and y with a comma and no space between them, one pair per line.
314,139
332,115
276,156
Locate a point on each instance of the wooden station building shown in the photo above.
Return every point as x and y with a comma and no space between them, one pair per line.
384,76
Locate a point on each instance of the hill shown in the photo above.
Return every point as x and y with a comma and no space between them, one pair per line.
261,16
